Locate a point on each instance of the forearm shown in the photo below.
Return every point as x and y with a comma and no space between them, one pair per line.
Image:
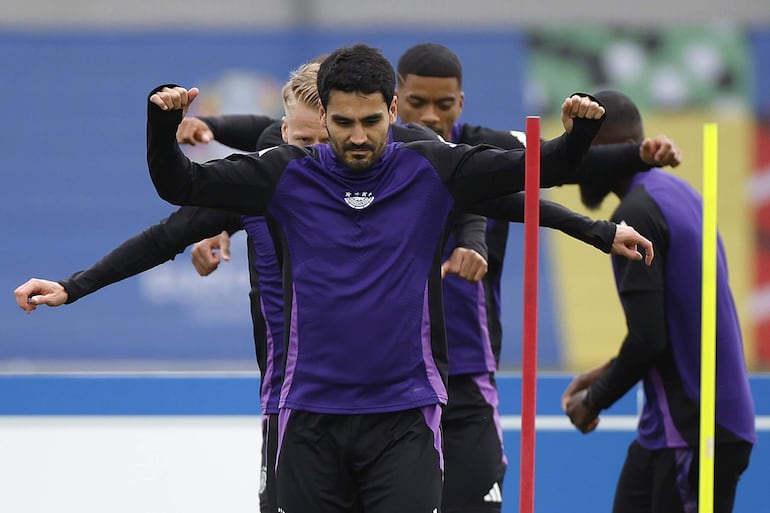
470,232
239,131
485,172
241,183
609,163
154,246
599,234
170,169
645,342
125,261
561,158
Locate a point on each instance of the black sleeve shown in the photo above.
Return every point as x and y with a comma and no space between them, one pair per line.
645,342
609,163
470,232
239,131
577,144
503,139
272,136
497,239
412,132
477,173
154,246
642,294
599,234
242,183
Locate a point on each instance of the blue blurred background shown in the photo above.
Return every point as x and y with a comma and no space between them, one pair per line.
76,184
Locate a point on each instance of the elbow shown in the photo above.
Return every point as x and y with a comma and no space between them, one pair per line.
176,195
649,347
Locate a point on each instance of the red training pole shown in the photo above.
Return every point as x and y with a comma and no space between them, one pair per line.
529,339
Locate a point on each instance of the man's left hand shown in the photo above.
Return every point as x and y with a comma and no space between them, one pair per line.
660,151
627,243
465,263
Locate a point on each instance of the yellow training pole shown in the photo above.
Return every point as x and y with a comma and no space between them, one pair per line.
708,322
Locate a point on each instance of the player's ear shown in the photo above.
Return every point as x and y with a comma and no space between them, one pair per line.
393,111
284,130
322,112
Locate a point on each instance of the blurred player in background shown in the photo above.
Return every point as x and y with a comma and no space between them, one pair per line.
663,344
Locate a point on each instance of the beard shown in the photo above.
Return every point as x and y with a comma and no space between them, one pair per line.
357,162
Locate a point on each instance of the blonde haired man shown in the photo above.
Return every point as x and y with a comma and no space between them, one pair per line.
301,123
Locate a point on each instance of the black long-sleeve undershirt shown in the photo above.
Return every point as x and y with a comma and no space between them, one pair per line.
155,245
645,342
600,234
239,131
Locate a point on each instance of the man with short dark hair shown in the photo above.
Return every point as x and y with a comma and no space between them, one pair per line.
361,226
663,345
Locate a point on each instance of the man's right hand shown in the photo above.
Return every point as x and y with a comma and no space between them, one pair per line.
577,106
582,382
174,98
39,292
205,256
193,131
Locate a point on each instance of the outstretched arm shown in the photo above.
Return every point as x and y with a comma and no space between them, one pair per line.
154,246
603,235
239,131
241,183
582,117
477,173
610,163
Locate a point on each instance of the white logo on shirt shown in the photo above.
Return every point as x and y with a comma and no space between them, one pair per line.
494,494
359,200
